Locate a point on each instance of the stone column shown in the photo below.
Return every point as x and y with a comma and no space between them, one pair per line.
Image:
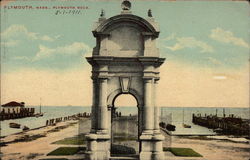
102,106
156,108
98,144
94,114
148,107
151,139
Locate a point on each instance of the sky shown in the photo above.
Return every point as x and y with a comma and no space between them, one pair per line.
206,46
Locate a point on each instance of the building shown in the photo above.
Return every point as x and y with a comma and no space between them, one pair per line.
12,107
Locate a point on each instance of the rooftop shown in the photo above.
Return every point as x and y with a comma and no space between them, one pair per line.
13,104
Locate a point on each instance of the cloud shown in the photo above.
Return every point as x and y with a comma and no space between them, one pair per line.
57,36
214,61
170,37
190,42
74,48
16,31
47,38
224,36
220,77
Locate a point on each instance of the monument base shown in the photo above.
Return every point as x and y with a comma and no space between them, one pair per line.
98,147
151,147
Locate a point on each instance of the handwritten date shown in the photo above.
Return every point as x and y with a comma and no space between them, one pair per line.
64,12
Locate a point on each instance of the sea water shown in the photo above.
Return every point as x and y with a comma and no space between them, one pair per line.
179,115
50,112
173,115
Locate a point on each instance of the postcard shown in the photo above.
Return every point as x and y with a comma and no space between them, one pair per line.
109,79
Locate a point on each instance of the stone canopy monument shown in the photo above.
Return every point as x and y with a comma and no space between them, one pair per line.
125,60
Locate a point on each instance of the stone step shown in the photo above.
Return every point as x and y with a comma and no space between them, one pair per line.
123,158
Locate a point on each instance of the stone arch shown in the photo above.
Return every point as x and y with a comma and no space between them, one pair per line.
133,92
112,96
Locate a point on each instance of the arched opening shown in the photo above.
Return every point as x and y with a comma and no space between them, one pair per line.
125,100
124,125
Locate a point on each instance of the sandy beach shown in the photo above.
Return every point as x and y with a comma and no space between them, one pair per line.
40,143
38,148
219,148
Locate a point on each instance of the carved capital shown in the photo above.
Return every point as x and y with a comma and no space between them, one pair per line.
102,79
156,80
147,79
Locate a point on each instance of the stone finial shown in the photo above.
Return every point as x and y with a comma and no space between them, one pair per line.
150,13
102,15
126,5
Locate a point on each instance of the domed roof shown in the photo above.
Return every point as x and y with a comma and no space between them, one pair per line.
129,18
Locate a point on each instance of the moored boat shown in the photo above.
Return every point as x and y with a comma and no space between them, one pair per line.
186,125
170,127
183,124
40,114
14,125
25,128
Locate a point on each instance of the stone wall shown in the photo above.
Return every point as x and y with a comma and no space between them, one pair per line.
126,124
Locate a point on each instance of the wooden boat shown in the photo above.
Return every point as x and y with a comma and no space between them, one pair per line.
218,130
14,125
40,114
186,125
25,128
170,127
